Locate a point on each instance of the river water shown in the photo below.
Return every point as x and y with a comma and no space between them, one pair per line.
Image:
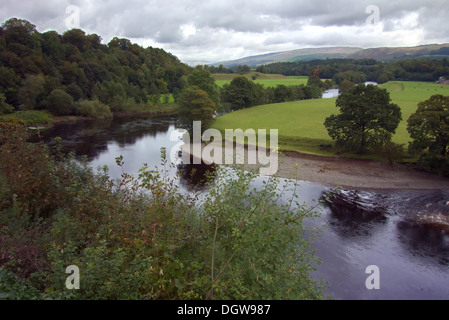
413,257
334,93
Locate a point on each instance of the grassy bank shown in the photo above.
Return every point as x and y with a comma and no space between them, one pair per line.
300,123
29,118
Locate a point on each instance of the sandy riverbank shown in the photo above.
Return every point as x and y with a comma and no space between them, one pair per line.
352,173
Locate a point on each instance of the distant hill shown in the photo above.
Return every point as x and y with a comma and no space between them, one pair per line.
435,51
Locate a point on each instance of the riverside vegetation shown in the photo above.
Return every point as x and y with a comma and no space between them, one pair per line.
75,74
140,238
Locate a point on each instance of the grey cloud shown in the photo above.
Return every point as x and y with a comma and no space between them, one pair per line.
240,27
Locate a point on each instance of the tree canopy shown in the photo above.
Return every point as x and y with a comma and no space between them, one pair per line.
195,105
429,126
367,117
33,64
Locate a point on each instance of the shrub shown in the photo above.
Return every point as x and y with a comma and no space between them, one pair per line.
93,109
28,118
5,108
142,238
59,103
434,164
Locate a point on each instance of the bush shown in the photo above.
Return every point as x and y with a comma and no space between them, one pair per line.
5,108
93,109
434,164
143,239
59,103
28,118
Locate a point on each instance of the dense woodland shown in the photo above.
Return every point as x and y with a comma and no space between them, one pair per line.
354,70
38,70
361,70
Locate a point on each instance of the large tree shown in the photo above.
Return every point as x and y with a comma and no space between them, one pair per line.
241,93
429,127
367,117
195,105
205,81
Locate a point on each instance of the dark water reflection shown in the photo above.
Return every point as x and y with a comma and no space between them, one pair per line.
196,176
411,252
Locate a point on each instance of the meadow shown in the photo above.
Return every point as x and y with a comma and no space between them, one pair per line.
300,123
267,80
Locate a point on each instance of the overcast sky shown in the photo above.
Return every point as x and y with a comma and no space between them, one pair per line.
200,31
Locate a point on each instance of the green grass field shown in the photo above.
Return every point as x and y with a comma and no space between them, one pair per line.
268,80
300,123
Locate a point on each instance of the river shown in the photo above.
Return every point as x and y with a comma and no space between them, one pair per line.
334,93
412,257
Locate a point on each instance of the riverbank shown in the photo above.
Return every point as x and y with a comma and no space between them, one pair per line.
334,171
355,173
41,120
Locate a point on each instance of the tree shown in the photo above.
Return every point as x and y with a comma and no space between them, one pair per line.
345,86
60,103
94,109
239,94
314,80
429,127
77,38
243,69
18,35
195,105
204,80
283,93
367,117
5,108
32,87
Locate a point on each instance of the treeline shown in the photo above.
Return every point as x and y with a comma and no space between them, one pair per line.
361,70
243,93
49,71
238,69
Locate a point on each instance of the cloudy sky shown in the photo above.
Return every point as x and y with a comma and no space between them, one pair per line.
200,31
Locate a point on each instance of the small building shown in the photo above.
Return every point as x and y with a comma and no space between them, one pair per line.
443,80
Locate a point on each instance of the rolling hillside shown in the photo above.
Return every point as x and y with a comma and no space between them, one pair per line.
380,54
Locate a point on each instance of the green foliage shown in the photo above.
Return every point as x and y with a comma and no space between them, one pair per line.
203,79
142,238
60,103
93,109
242,93
32,87
429,126
360,70
434,163
346,86
5,108
429,129
252,241
195,105
300,123
367,118
33,64
314,80
28,118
